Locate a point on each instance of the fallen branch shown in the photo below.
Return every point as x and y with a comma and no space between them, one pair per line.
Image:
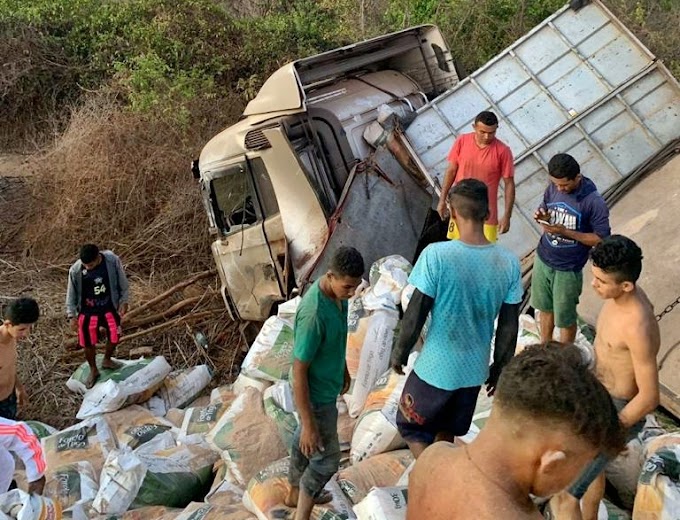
154,301
168,313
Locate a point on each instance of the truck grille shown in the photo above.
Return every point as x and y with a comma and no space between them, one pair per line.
255,140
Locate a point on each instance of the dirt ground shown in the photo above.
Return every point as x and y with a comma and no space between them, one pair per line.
47,358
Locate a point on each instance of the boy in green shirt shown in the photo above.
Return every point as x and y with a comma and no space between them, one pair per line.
319,376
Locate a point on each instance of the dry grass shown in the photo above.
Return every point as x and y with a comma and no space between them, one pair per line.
122,181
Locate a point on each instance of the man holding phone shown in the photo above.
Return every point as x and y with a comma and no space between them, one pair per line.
574,218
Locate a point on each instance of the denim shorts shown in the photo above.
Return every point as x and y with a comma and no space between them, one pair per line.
312,474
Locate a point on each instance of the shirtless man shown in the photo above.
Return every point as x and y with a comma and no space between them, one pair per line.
20,316
626,347
550,417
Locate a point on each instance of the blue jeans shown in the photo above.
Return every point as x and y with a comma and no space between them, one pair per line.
314,473
593,470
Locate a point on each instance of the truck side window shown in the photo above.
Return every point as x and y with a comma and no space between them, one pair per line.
234,201
265,190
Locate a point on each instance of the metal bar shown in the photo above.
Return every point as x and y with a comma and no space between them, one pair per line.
597,148
588,111
578,53
637,119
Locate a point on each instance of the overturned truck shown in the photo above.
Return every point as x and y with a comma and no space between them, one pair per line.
296,176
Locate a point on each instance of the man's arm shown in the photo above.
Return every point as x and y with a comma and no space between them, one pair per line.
414,318
310,440
20,439
20,390
506,342
71,297
643,350
123,287
504,223
449,179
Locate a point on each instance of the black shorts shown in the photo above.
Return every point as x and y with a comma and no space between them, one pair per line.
424,410
8,407
88,328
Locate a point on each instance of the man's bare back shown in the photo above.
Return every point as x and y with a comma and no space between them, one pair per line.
461,490
8,364
622,326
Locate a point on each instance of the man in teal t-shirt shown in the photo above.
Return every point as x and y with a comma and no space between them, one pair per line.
319,376
466,284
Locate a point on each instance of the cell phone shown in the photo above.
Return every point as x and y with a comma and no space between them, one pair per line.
544,222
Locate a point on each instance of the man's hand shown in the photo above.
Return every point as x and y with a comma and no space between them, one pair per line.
122,310
310,440
74,324
37,486
443,210
346,382
22,397
504,225
555,229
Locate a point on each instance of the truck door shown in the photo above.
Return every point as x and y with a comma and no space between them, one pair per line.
250,254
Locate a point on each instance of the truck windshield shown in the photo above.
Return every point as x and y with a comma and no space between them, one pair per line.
241,198
233,200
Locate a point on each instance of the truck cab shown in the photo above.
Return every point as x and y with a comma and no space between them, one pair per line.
277,184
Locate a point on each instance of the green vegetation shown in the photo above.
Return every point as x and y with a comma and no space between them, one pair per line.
166,56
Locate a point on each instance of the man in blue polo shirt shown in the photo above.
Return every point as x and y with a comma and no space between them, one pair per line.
466,284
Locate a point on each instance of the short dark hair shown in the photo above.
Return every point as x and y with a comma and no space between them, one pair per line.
88,253
563,166
470,199
620,256
347,261
552,383
22,311
486,118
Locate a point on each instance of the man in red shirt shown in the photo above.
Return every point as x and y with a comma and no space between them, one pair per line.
479,155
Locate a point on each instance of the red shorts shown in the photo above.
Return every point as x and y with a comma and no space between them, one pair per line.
88,328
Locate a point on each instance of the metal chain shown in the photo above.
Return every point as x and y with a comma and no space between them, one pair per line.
668,309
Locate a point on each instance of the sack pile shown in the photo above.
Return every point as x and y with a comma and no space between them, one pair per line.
146,448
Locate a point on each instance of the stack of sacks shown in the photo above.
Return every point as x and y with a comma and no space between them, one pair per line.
373,327
19,505
624,471
224,491
123,388
89,441
383,504
75,457
376,430
247,438
180,388
203,511
658,491
382,470
270,355
268,489
159,472
135,425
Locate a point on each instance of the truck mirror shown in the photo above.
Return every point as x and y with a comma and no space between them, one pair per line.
195,171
